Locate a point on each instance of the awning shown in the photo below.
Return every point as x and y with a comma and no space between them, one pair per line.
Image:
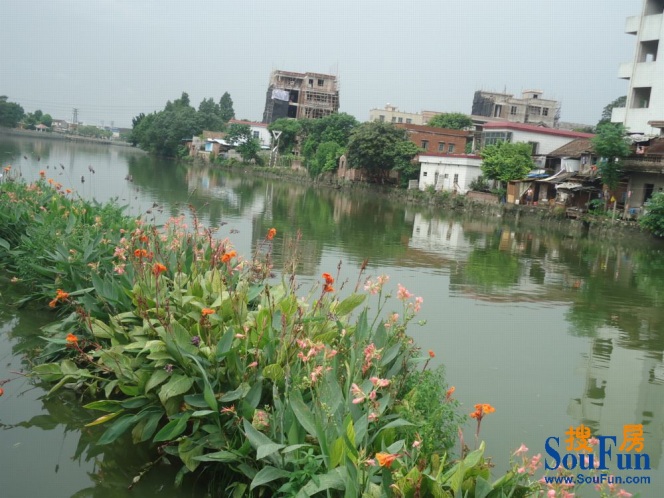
569,186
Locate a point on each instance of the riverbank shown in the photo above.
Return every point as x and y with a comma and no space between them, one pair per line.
15,132
551,218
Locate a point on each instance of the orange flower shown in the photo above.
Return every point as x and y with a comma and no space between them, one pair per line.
143,238
140,253
328,288
158,268
450,392
42,173
8,168
271,233
328,278
386,459
432,354
60,295
68,191
71,339
207,311
228,256
481,410
2,391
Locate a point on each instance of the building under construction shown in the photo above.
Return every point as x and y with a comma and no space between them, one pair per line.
300,95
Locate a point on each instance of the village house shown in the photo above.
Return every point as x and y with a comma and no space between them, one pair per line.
259,131
448,172
434,139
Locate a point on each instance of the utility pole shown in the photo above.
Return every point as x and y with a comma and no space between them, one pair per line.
75,117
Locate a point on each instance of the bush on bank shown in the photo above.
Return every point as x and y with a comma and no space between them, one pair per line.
175,339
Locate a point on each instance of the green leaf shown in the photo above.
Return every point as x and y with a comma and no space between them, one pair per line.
266,450
219,456
49,372
337,452
119,427
238,393
396,423
157,377
482,487
224,345
172,429
302,413
4,244
188,450
256,438
266,475
105,405
335,479
274,372
103,419
178,384
349,304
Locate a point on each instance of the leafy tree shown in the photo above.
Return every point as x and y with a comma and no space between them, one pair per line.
506,161
326,158
610,145
451,121
334,128
379,147
93,131
653,219
608,109
226,111
46,120
11,113
245,144
209,115
290,129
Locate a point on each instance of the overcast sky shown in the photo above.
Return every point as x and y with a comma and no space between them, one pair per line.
113,59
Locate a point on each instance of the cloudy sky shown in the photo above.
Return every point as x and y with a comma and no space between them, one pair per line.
113,59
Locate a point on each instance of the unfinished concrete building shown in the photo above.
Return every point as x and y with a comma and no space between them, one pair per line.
530,108
300,95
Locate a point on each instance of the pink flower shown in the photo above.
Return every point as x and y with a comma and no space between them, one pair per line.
624,494
551,493
402,293
417,443
379,382
357,401
593,441
373,417
253,364
418,304
521,450
521,470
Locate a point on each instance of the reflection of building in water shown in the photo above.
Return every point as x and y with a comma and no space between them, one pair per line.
623,386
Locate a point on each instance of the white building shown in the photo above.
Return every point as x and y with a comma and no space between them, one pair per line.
453,173
259,131
542,139
644,109
391,114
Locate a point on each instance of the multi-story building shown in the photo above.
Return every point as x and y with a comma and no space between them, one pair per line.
433,139
391,114
530,108
300,95
644,106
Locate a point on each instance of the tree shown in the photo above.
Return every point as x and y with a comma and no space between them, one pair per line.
451,121
245,144
326,158
209,114
226,111
608,109
46,120
11,113
505,161
609,144
653,219
380,147
335,128
290,129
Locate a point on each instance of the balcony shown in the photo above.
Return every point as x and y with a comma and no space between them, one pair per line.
645,74
652,27
625,70
632,25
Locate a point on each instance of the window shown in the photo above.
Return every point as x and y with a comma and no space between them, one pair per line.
409,121
535,147
450,149
425,144
394,119
441,146
321,82
381,118
400,120
534,110
513,110
256,134
545,111
456,178
424,173
311,83
446,175
497,111
493,137
641,98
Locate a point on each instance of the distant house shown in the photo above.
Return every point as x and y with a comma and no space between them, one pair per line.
42,128
259,131
60,125
438,140
453,173
645,173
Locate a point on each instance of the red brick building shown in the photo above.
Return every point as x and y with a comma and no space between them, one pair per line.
433,139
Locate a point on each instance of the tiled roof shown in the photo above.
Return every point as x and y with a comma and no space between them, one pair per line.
250,123
575,148
432,129
536,129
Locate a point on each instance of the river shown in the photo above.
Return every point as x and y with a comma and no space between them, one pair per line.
554,331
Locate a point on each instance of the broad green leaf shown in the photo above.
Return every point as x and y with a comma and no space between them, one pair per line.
266,450
188,450
146,428
178,384
238,393
266,475
49,372
302,412
104,405
224,345
157,377
4,244
396,423
349,304
202,413
119,427
337,452
103,419
482,487
335,479
256,438
273,372
219,456
172,429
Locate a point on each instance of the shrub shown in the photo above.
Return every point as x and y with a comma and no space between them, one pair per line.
653,219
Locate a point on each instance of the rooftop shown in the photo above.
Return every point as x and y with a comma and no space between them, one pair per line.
507,125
